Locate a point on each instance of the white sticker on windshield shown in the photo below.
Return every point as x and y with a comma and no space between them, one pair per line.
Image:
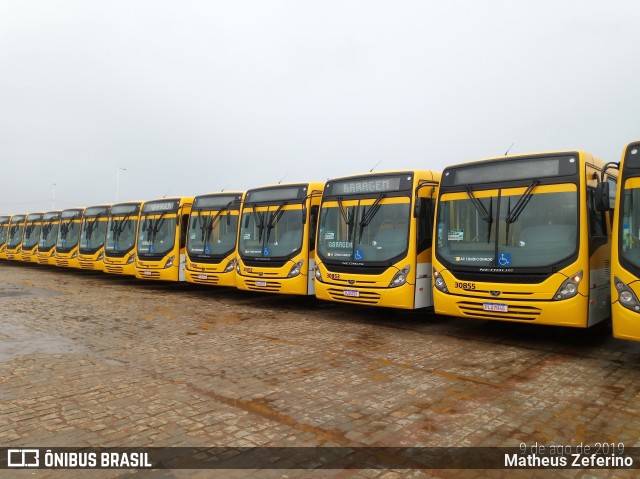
455,235
329,235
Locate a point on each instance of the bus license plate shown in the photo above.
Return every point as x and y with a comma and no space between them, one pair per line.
261,283
202,276
146,273
500,308
352,293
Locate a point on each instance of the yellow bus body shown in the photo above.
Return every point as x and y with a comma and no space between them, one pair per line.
386,261
160,247
47,242
68,237
550,262
211,239
92,235
625,251
4,233
14,237
30,237
281,259
120,242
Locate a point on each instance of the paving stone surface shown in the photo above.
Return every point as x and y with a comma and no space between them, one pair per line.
97,360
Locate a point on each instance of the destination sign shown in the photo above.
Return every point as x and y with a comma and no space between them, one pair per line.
50,216
95,211
160,206
283,193
129,209
217,202
511,170
34,217
66,214
18,218
368,185
4,219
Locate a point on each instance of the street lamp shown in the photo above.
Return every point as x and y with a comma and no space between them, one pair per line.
118,181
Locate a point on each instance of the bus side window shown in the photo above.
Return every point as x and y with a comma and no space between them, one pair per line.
425,223
183,230
313,225
597,222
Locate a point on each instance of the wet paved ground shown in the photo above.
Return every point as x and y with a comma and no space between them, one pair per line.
97,360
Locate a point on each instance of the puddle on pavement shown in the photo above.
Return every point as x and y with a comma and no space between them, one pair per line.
12,291
18,340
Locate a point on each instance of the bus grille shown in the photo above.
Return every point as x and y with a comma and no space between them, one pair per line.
62,262
365,297
516,312
270,286
113,269
86,265
209,279
42,260
150,274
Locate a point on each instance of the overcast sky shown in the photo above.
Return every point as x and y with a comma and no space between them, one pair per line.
196,96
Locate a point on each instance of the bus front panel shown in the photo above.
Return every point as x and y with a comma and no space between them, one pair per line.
14,238
31,237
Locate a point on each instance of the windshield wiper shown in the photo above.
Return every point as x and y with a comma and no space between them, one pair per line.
368,215
348,218
482,211
89,227
274,218
522,203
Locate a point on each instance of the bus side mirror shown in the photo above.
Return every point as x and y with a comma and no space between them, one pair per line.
602,196
246,221
304,214
228,217
417,209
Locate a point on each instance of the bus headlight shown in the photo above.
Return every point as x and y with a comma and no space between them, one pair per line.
295,270
131,259
400,277
318,274
569,288
438,282
74,255
100,256
170,262
238,267
627,297
231,265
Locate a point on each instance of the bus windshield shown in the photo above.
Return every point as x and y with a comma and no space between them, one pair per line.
531,227
629,242
273,231
48,234
15,235
212,233
121,233
92,233
157,233
67,233
31,234
364,230
3,233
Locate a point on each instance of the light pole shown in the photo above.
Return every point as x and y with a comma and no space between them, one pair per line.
53,196
118,181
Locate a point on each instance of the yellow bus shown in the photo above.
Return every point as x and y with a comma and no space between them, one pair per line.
120,242
47,240
14,240
625,250
374,239
211,241
276,242
68,238
92,234
162,237
30,237
4,233
519,238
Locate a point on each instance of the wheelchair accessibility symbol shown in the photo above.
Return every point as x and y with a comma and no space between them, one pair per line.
504,259
358,254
